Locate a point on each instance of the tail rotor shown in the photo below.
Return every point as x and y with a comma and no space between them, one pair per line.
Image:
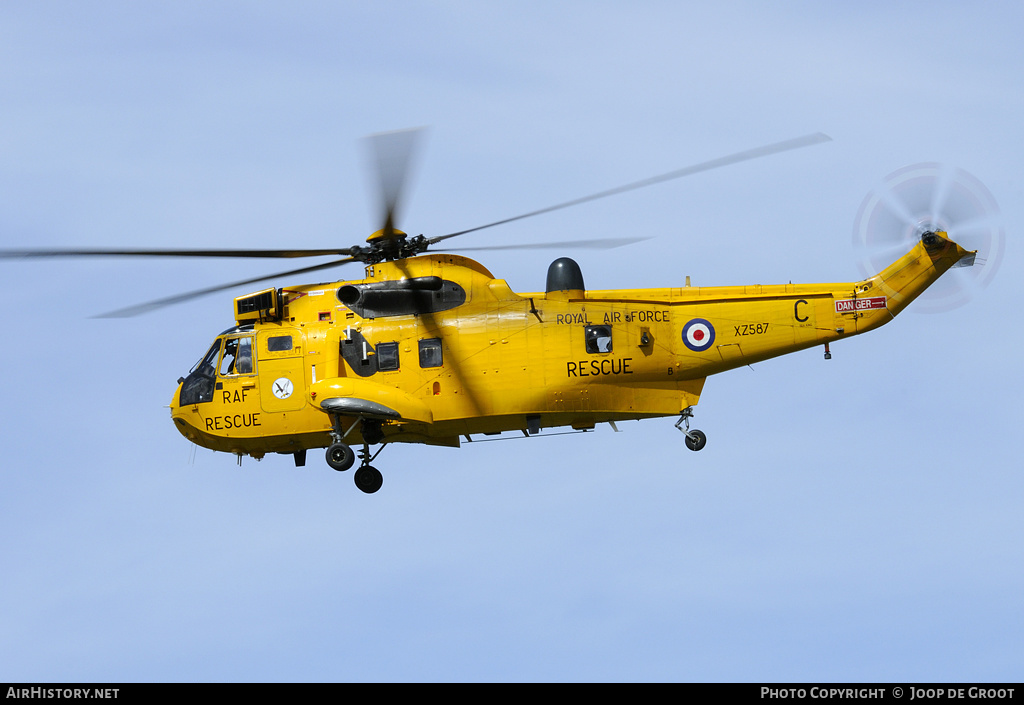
927,197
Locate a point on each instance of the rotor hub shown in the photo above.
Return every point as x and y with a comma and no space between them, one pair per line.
398,245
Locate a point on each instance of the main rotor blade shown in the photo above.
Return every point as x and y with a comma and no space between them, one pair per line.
179,298
271,254
767,150
606,244
392,154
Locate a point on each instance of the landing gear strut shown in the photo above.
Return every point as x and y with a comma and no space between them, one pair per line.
340,455
695,440
368,478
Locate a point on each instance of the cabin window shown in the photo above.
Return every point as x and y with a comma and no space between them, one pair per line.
430,352
279,343
387,356
237,357
598,339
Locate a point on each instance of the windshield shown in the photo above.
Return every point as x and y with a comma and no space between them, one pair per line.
210,359
198,387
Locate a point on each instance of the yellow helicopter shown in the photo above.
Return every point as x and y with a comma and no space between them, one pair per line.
431,347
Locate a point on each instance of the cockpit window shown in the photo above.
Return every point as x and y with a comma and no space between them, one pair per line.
209,361
237,357
198,387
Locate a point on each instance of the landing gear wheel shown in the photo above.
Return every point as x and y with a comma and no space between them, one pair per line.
369,479
695,440
340,457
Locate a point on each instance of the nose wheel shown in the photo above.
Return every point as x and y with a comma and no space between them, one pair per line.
695,440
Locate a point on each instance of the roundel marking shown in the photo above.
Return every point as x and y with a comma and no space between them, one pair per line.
698,334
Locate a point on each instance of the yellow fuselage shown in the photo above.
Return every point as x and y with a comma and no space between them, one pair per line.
496,360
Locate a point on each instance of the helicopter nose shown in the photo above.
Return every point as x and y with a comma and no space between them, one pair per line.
178,413
182,417
177,394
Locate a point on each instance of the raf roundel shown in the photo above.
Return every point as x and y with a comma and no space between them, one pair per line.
698,334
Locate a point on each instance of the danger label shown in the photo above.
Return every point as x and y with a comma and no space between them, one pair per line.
851,305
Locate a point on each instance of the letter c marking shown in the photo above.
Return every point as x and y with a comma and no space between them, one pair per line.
796,310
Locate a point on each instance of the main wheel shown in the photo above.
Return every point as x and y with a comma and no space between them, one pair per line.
340,457
696,440
369,479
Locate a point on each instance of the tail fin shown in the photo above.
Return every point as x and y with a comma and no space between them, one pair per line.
906,278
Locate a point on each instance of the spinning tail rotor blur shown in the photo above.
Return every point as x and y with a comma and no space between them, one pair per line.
931,196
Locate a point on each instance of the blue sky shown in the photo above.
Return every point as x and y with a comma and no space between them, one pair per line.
856,519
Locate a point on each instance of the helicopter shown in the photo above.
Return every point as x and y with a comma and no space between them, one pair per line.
430,347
